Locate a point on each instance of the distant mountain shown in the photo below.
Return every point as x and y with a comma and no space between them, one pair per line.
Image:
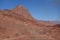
18,24
57,22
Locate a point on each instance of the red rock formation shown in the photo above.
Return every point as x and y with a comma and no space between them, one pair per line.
18,24
20,10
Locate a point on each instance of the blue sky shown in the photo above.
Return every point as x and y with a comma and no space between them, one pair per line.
39,9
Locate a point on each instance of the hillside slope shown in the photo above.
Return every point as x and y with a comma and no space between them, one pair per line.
18,24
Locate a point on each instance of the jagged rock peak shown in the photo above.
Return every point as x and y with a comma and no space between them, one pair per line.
19,6
21,10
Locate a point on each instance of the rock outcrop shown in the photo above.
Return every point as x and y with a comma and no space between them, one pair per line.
20,10
18,24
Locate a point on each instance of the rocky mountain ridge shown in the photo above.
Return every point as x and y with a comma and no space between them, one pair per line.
18,24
